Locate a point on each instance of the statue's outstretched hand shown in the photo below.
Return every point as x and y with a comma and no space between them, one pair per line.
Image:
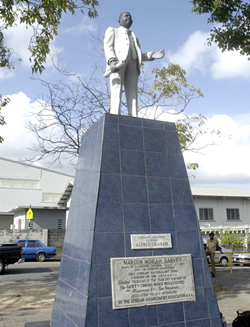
158,55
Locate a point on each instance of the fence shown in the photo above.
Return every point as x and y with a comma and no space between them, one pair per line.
236,261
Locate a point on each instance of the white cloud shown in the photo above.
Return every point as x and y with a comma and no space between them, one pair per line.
6,73
195,54
230,65
84,27
17,139
227,162
18,38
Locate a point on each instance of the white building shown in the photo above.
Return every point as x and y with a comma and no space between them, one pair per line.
48,193
222,208
23,186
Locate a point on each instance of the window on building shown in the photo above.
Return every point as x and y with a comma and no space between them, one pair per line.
19,183
59,223
5,182
233,214
206,213
51,197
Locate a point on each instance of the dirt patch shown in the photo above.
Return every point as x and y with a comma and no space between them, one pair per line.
27,299
220,289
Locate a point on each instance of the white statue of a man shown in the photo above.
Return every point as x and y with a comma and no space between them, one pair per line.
124,58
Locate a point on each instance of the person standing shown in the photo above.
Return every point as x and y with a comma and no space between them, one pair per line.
212,245
124,58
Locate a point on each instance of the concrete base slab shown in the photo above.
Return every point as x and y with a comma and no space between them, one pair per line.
38,324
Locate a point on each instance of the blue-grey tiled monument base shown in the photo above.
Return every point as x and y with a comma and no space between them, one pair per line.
130,179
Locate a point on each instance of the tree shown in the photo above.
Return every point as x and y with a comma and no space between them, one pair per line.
170,90
72,106
66,113
228,238
3,103
232,18
44,16
190,129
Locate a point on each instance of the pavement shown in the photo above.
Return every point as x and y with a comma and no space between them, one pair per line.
29,318
232,292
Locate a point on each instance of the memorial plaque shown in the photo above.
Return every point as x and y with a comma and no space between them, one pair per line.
151,280
151,241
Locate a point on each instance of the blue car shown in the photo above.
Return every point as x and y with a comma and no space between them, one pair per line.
35,249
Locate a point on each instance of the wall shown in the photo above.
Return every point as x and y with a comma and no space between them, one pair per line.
51,237
47,218
11,198
10,236
219,206
42,218
56,238
6,221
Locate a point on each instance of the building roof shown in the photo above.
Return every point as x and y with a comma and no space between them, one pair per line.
66,195
34,208
37,167
220,192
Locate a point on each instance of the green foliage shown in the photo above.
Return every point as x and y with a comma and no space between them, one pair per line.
3,103
231,239
44,16
5,54
190,128
170,81
233,16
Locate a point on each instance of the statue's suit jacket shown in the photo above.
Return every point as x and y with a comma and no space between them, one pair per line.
117,44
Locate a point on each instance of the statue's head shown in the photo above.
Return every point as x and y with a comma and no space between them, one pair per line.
125,19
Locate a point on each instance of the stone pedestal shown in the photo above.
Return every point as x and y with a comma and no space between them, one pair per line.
131,179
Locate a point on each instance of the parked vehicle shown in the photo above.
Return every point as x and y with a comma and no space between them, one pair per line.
9,254
35,249
241,258
219,257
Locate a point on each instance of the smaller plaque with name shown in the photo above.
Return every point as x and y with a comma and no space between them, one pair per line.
151,241
151,280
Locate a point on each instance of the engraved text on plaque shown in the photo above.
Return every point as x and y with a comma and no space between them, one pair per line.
150,241
151,280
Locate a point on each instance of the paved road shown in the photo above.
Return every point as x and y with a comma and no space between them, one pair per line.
27,293
232,291
29,275
28,290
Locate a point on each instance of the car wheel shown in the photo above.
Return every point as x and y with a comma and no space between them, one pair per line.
224,260
40,257
2,266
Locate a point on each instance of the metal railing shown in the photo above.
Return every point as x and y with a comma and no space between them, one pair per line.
231,263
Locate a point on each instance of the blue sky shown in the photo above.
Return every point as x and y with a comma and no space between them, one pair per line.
224,79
